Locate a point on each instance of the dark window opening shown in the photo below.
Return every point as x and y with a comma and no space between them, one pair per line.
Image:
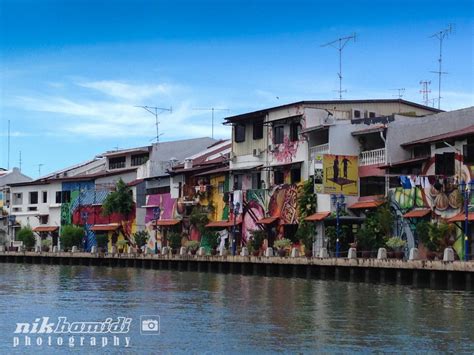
468,153
33,197
45,196
372,115
238,182
356,113
258,130
441,145
372,185
278,135
63,196
295,175
289,231
43,219
295,129
444,164
139,159
239,133
422,151
278,177
256,182
117,163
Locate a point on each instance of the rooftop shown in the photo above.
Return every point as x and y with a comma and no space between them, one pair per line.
460,133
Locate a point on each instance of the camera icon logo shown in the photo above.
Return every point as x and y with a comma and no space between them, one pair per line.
150,325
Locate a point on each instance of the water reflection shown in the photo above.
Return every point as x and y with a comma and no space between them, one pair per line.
222,313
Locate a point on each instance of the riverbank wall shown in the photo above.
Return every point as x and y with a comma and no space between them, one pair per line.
457,275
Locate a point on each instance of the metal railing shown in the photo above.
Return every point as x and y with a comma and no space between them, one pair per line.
372,157
318,150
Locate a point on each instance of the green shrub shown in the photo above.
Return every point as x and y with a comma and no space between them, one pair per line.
258,236
192,245
282,243
141,238
395,243
26,236
174,240
46,243
102,240
71,236
305,235
209,240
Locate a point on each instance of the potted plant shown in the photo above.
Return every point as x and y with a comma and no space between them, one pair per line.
174,240
121,245
282,245
305,235
102,241
192,246
26,236
256,241
141,238
435,236
45,245
396,245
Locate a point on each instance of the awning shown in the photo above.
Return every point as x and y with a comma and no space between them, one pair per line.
417,213
223,224
105,227
45,229
462,217
319,216
268,220
249,166
366,204
404,162
167,222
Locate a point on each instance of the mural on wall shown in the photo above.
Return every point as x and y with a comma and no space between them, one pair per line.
255,202
160,206
341,174
286,151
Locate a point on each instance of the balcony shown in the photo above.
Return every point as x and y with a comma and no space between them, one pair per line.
372,157
318,150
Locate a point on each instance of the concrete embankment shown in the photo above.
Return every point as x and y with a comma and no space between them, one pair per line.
418,273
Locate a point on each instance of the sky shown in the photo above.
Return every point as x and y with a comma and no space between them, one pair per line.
72,73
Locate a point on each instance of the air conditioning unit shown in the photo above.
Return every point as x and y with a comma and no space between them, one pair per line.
257,152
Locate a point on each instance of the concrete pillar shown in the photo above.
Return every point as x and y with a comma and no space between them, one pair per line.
182,251
222,252
55,249
165,251
448,255
244,252
269,252
323,253
382,254
94,250
352,254
295,253
38,249
74,249
201,251
413,254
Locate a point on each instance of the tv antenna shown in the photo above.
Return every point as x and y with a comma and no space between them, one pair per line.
212,109
8,147
155,111
401,92
39,169
441,35
339,44
425,91
19,161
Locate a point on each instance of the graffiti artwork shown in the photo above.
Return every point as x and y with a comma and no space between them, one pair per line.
340,174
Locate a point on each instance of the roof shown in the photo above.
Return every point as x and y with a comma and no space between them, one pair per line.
223,169
366,204
461,217
268,220
105,227
316,217
166,222
368,130
224,224
404,162
111,153
263,112
460,133
247,167
45,229
419,213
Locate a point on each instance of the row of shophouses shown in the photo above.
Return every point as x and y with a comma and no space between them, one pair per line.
361,152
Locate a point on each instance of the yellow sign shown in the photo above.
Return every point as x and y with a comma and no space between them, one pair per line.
341,174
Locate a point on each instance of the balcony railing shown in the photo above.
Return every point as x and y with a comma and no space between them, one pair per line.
318,150
372,157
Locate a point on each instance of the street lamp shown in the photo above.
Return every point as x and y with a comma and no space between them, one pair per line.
156,217
465,189
84,217
339,202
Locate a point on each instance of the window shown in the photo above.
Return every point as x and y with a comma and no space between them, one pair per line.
422,151
139,159
256,182
441,145
220,187
63,196
372,185
278,177
356,113
295,129
32,209
239,133
468,153
444,164
43,219
238,182
258,130
372,114
295,175
33,197
117,163
45,197
278,134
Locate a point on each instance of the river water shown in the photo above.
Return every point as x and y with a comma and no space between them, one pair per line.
224,313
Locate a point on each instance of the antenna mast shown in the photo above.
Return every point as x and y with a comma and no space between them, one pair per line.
441,35
19,161
8,147
425,91
212,109
339,44
155,111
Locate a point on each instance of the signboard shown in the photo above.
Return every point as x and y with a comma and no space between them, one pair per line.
340,174
1,199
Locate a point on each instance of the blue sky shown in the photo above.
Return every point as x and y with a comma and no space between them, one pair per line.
72,72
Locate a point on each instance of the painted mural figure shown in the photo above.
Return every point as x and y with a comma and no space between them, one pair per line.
345,163
336,169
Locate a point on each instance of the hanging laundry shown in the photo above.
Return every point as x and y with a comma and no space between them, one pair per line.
406,184
238,199
418,181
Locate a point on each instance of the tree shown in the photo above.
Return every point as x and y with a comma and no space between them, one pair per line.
102,240
26,236
71,236
118,201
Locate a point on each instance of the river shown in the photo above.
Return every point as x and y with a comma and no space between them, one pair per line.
225,313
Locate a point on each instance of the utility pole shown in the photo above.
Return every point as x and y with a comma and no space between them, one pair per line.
155,111
212,109
441,35
425,91
339,44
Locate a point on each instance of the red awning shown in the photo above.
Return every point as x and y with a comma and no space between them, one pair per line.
105,227
317,217
223,224
366,204
167,222
462,217
45,229
417,213
268,220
